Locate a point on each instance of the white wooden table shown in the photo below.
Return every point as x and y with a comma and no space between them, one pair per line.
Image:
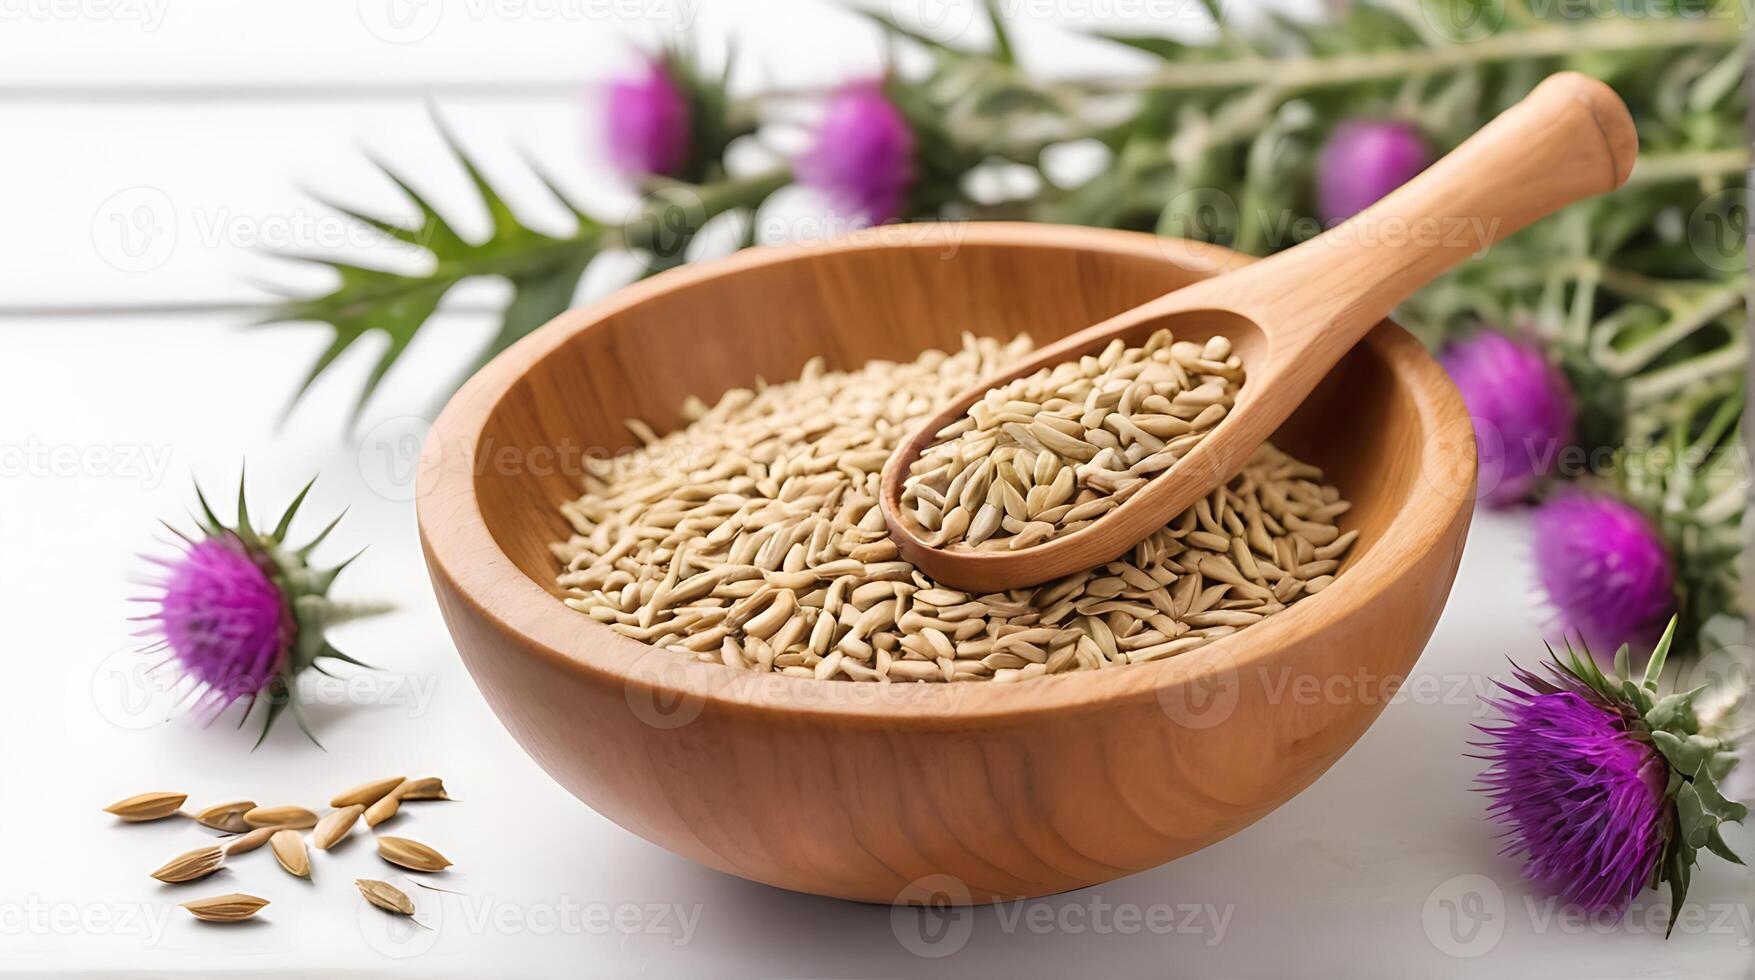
149,147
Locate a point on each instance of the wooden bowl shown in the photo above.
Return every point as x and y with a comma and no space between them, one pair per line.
876,792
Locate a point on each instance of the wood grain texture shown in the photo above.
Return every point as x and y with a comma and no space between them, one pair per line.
856,790
1293,315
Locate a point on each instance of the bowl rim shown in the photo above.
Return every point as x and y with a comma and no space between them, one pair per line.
463,555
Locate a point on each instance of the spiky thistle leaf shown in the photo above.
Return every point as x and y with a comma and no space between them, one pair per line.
543,270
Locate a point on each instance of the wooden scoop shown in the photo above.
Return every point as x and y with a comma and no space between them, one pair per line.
1291,316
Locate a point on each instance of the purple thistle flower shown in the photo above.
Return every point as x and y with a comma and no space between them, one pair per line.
863,159
1603,568
1580,791
243,613
1522,410
1604,783
1363,160
223,620
648,123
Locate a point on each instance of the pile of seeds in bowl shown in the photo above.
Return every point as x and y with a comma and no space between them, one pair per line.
752,537
1051,452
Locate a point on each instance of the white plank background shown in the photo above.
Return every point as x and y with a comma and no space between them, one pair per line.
125,370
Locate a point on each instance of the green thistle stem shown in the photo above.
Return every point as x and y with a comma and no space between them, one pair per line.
1727,504
1649,289
1318,71
1703,307
1290,74
1622,282
1656,385
708,202
1654,168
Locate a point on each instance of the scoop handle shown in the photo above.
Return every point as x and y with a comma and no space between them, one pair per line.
1569,139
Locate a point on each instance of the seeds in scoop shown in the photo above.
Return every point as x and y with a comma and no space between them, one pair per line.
147,806
777,509
426,788
331,829
366,794
198,863
412,855
235,907
281,816
1100,420
385,896
228,817
289,849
